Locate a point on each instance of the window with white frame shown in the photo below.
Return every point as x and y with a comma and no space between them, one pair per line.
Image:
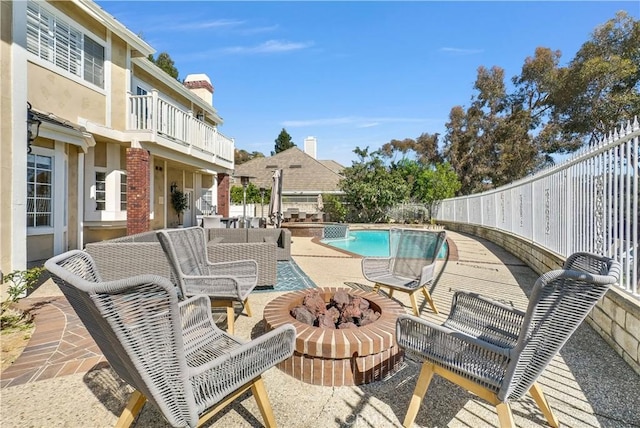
39,190
57,42
101,190
123,191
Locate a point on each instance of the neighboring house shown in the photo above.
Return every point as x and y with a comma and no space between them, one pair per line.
117,134
303,177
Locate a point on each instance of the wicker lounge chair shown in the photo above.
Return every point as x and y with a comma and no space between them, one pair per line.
497,352
224,282
411,265
170,351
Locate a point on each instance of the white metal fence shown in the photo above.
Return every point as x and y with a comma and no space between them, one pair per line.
586,203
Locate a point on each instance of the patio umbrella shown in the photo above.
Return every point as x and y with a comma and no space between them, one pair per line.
320,202
275,203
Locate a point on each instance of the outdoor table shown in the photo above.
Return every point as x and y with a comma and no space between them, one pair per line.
230,222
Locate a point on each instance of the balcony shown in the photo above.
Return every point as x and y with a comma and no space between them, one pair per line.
169,125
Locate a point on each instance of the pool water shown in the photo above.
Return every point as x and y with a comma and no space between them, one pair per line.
370,243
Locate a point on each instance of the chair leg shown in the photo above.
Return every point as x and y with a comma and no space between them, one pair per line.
390,292
504,415
230,312
231,318
260,394
541,401
427,296
426,374
130,412
247,308
414,303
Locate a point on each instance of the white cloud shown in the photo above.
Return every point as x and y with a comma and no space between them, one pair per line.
258,30
203,25
460,51
358,122
270,46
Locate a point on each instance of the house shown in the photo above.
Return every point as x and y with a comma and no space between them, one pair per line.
303,177
110,135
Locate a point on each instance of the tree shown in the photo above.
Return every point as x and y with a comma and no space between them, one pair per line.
463,149
166,64
370,188
601,85
241,156
425,147
180,203
283,142
334,208
253,194
434,185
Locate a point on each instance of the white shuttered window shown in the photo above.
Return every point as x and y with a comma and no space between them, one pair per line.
59,43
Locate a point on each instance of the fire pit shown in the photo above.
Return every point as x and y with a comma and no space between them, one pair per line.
339,356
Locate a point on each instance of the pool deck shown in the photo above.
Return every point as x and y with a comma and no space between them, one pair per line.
61,379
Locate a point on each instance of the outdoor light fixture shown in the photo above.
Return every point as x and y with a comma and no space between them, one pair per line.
33,127
173,187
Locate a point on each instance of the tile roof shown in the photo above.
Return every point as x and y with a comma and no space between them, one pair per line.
300,172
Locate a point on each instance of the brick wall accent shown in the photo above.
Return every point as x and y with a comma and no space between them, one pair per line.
138,209
199,84
337,357
224,188
616,317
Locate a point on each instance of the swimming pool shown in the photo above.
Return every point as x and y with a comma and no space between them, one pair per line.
370,243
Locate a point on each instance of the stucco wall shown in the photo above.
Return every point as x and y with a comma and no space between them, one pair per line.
616,317
53,93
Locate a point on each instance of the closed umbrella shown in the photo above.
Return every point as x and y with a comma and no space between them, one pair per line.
320,202
275,203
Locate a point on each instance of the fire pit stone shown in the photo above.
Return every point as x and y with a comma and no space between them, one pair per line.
331,356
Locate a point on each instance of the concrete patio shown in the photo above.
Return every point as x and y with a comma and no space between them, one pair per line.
61,380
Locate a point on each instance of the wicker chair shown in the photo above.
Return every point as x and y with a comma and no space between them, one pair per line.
497,352
411,265
169,350
224,282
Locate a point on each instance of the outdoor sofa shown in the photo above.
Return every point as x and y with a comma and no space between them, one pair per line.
142,254
282,237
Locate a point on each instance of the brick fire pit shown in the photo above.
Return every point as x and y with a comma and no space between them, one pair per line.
336,357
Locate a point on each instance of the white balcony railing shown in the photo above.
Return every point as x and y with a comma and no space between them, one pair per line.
153,114
587,203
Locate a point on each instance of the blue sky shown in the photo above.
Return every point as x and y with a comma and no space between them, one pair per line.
352,73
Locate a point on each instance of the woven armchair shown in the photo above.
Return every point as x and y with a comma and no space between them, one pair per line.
410,268
497,352
224,282
169,350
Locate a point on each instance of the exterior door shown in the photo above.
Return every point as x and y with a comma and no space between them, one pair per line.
188,215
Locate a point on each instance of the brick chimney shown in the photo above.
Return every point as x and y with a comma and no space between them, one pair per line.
200,85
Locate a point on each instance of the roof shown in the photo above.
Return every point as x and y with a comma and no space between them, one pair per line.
301,173
333,165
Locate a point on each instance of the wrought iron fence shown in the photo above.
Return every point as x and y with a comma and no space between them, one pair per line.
586,203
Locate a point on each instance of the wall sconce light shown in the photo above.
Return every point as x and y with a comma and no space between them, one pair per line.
173,187
33,127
